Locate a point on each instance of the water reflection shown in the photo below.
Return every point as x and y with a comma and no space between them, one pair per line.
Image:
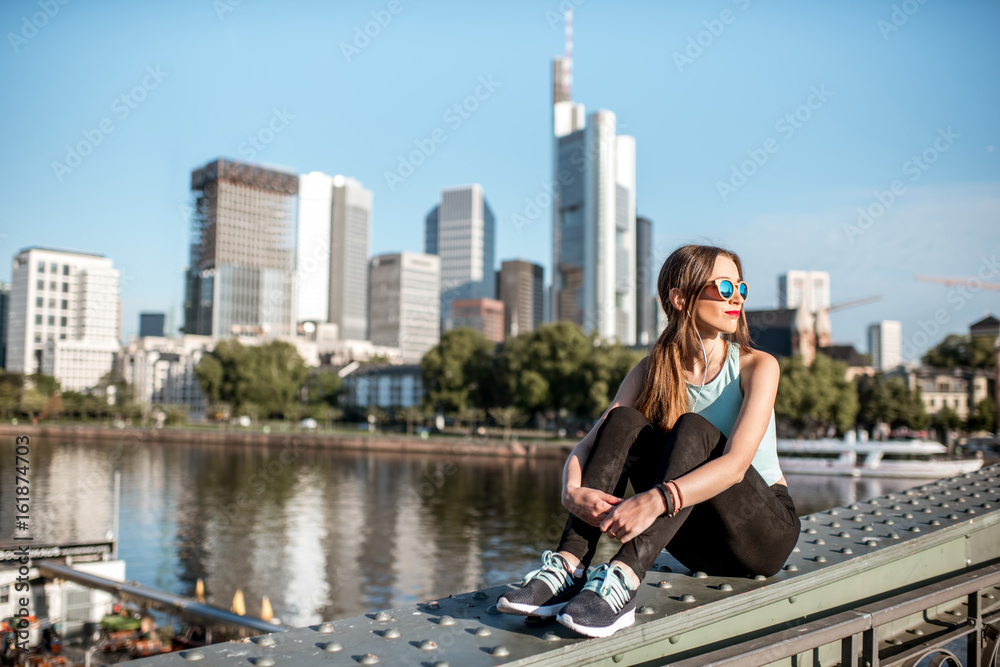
323,535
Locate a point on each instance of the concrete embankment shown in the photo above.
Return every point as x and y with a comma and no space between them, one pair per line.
474,445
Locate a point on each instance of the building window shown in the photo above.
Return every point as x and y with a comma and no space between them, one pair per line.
53,268
62,321
41,284
52,303
4,594
38,338
41,267
38,319
39,302
52,320
932,403
65,269
62,336
53,286
65,304
65,287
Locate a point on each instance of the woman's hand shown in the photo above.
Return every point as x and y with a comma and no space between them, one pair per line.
590,505
631,517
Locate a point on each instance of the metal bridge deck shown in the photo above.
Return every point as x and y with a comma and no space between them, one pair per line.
845,557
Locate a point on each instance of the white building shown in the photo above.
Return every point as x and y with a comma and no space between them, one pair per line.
312,247
333,245
405,302
461,230
804,289
594,220
885,344
161,370
65,316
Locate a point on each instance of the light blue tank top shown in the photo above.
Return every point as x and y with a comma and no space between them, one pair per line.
720,402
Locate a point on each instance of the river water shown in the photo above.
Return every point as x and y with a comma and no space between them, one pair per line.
323,535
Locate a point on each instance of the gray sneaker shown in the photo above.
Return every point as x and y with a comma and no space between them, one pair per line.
545,591
604,606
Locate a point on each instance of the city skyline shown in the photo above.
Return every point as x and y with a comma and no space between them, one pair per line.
791,150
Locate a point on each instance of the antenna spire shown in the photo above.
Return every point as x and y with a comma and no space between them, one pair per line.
568,55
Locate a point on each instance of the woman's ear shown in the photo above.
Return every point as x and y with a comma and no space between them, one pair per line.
676,298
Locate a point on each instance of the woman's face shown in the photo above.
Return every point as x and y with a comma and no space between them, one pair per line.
713,313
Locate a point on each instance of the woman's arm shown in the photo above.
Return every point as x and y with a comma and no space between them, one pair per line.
591,504
759,377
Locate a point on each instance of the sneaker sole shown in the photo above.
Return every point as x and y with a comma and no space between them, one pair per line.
507,607
627,619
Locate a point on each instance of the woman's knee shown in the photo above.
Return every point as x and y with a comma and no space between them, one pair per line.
625,415
691,423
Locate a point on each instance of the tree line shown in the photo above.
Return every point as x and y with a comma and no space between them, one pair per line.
557,373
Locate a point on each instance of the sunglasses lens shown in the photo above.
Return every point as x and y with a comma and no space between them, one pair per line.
725,289
743,290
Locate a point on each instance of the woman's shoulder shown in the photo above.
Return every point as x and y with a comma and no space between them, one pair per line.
757,361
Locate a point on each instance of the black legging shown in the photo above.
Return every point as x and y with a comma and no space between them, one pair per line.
748,529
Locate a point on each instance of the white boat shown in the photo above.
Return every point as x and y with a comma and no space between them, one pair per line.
889,458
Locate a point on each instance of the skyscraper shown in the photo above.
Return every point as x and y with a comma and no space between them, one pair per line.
151,324
885,344
242,271
804,289
461,230
4,313
645,315
404,302
349,252
521,290
65,316
594,228
312,247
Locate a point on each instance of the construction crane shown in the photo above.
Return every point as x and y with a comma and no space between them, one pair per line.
968,282
856,302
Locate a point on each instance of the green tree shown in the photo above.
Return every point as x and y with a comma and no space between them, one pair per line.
815,398
507,417
46,384
10,392
958,350
454,370
270,375
948,418
323,387
32,402
890,402
412,414
984,418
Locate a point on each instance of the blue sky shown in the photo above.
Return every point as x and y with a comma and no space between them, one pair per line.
841,104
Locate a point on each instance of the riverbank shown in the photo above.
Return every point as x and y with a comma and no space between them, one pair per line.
486,445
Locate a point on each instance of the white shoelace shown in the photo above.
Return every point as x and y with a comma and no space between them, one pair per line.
610,586
552,572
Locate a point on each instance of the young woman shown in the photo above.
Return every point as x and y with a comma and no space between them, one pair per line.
692,427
